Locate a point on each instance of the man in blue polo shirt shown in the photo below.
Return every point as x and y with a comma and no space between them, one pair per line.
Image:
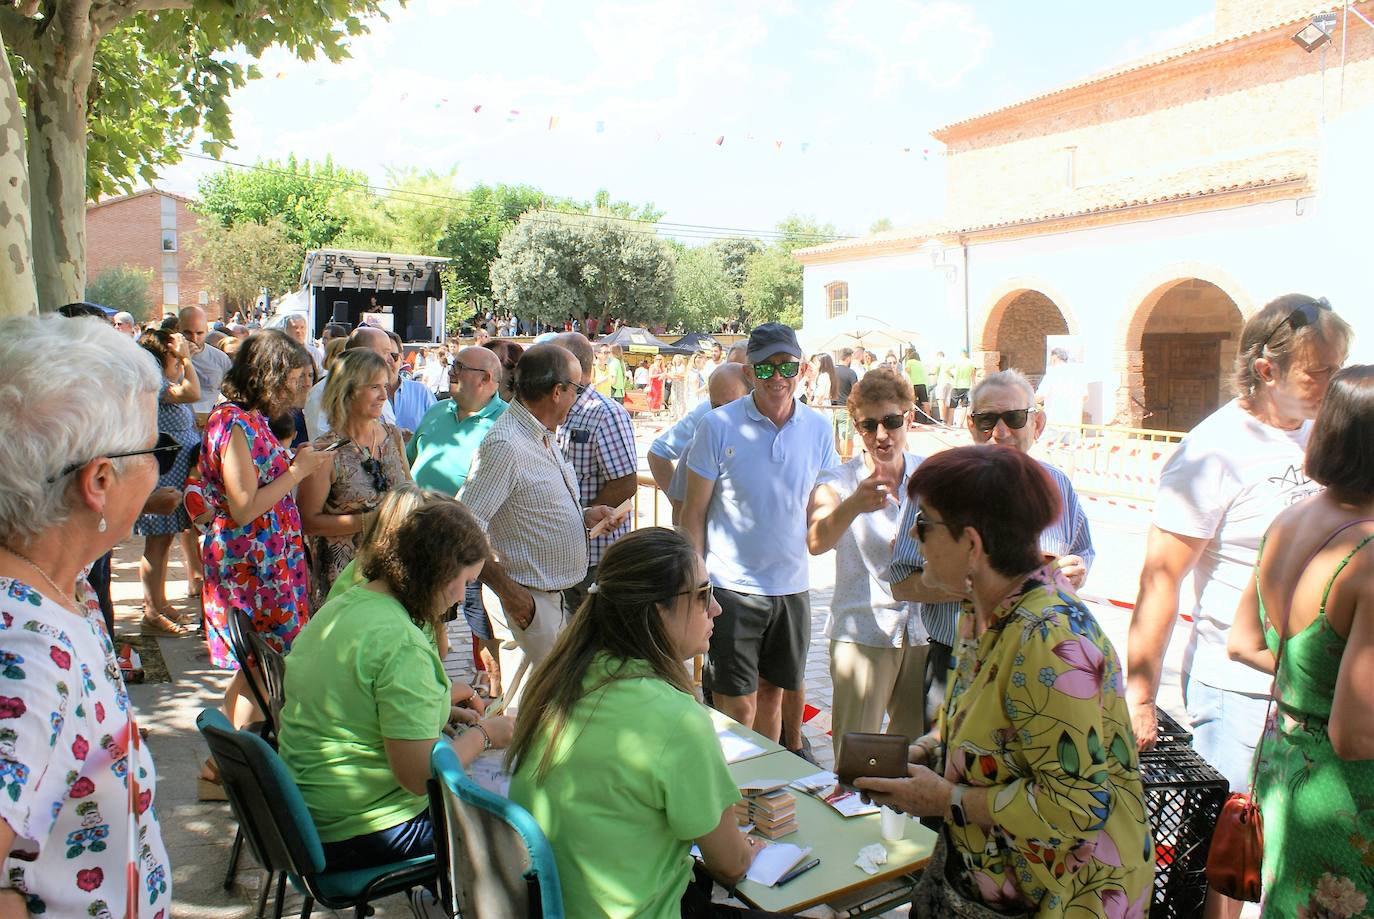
441,453
750,470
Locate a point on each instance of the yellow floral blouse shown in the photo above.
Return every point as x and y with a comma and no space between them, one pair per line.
1035,713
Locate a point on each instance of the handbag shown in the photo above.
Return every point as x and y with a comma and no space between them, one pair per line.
1236,856
939,891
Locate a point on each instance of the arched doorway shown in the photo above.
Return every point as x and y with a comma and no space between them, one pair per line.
1016,330
1188,346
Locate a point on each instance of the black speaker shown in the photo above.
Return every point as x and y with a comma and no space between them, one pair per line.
420,333
340,311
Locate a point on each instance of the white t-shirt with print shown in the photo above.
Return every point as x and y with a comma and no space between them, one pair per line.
1226,483
65,729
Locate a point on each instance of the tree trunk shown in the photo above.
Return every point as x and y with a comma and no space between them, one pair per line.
18,292
57,153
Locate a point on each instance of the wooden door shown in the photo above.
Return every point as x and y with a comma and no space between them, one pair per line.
1182,379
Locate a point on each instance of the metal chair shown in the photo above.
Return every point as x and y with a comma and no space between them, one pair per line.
493,860
274,818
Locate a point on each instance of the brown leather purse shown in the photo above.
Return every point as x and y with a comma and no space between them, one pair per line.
1237,853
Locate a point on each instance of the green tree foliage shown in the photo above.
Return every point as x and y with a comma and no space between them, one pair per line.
241,259
881,225
123,288
315,202
772,290
553,264
703,293
129,82
472,236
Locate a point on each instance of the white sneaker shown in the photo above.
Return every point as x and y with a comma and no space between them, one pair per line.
425,905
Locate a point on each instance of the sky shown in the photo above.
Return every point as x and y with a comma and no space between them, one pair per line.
822,108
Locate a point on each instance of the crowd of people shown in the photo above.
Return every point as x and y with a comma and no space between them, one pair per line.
349,515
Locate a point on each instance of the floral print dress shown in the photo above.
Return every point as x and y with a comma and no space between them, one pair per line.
1035,714
65,730
259,567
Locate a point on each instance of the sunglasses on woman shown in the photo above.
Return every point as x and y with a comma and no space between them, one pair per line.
702,594
165,451
891,422
923,525
787,370
1014,419
373,467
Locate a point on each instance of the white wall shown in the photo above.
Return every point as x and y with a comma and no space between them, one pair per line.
903,292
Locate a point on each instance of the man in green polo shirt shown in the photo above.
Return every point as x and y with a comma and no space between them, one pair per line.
965,372
441,453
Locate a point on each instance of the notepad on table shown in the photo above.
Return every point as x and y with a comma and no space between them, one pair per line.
774,861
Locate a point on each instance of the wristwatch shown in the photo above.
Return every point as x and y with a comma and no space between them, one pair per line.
956,805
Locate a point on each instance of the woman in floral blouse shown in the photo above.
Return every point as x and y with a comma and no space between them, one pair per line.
74,473
1032,764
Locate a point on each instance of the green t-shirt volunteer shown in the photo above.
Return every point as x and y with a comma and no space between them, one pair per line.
360,671
963,373
617,368
637,777
915,372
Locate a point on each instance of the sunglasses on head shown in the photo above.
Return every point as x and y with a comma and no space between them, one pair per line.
1303,316
373,467
1015,419
165,451
891,422
787,369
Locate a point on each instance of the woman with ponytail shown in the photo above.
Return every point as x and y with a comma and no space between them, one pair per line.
613,754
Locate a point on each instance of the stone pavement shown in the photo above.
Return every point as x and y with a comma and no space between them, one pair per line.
198,834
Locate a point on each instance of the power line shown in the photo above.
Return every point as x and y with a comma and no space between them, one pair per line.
683,230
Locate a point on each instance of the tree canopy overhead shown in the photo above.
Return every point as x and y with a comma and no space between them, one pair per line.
96,95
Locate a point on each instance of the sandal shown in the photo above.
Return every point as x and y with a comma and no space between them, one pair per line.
161,622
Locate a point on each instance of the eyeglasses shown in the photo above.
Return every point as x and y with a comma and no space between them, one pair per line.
891,422
923,525
787,369
461,367
1303,316
577,386
1014,419
165,451
373,467
702,594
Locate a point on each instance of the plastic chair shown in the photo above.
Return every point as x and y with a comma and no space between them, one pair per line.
274,819
494,862
264,669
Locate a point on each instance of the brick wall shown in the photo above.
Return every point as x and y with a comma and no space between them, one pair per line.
128,232
1237,16
1020,336
1209,119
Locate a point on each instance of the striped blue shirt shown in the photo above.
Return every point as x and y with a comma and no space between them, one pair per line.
1069,535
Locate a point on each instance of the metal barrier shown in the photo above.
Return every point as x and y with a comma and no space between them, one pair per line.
1110,461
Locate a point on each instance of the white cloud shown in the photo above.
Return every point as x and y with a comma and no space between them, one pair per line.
937,42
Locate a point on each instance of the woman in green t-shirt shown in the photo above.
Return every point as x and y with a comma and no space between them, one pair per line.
367,696
614,756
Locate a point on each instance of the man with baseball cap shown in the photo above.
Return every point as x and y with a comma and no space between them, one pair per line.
750,468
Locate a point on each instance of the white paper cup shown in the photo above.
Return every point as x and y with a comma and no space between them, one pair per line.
894,824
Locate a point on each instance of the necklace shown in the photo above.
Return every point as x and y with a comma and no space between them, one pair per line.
34,565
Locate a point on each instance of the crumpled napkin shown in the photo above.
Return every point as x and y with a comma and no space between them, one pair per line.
870,857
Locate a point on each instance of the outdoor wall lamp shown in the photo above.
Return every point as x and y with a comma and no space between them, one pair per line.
1316,33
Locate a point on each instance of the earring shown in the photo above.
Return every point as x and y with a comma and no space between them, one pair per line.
101,526
968,583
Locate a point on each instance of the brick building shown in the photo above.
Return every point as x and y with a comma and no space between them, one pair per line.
155,231
1141,213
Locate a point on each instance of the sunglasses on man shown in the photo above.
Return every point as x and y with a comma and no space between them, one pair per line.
1015,419
891,422
165,451
787,370
1300,318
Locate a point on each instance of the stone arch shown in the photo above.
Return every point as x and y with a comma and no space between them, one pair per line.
1179,344
1015,326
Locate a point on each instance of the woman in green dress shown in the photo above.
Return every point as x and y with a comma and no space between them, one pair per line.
1311,607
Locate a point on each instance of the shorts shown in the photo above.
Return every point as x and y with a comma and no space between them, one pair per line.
758,636
958,397
1226,728
921,394
475,613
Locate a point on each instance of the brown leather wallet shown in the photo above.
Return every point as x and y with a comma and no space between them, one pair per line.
882,756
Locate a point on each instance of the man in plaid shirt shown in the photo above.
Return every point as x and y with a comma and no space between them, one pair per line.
599,440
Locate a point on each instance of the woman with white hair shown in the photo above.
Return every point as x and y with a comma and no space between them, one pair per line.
74,474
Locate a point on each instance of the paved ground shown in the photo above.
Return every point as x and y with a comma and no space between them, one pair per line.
198,835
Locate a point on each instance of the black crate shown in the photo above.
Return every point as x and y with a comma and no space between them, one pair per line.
1183,797
1171,733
